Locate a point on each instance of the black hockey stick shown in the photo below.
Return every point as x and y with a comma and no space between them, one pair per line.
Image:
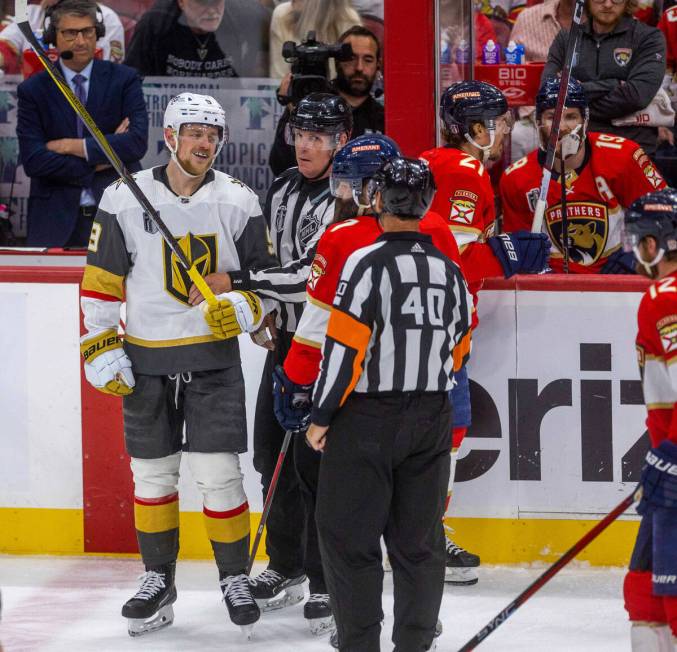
572,45
565,216
118,165
538,583
269,498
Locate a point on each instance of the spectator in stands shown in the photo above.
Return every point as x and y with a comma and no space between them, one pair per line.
503,9
620,63
536,28
372,8
354,82
13,43
202,38
666,156
294,19
67,168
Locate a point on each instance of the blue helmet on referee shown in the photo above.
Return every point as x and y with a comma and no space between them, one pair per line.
402,187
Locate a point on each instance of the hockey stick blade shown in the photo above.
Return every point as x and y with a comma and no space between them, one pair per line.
572,44
549,573
110,154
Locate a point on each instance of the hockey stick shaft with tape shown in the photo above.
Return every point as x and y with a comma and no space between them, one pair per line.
114,160
269,498
542,579
572,45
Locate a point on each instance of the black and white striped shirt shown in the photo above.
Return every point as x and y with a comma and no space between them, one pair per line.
400,323
297,212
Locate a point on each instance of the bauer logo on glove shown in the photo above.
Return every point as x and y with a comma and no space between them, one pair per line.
107,367
234,313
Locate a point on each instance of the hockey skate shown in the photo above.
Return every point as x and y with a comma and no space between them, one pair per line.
151,607
242,607
274,591
317,611
460,566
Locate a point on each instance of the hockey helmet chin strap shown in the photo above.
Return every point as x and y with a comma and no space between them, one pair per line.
485,149
649,265
175,158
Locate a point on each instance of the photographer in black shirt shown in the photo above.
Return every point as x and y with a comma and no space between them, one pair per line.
354,82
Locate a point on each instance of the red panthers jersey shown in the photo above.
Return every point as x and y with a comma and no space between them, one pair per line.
657,355
465,199
302,363
614,173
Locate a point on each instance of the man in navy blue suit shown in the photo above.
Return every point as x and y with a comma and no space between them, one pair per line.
68,170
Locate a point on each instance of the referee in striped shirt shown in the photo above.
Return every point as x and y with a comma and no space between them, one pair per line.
399,328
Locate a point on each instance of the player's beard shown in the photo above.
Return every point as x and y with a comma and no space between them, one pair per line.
344,209
346,85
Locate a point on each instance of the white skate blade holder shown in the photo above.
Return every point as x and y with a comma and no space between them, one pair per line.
460,576
140,626
321,626
291,595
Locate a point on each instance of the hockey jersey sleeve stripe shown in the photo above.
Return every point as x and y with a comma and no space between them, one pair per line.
320,304
302,363
353,334
303,340
98,295
657,383
97,279
160,344
461,351
313,324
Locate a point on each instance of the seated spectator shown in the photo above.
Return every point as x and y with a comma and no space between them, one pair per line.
620,63
666,156
13,43
536,28
354,82
503,9
294,19
373,8
603,175
202,38
68,170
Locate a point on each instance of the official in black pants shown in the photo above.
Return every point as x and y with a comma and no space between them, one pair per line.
399,327
397,450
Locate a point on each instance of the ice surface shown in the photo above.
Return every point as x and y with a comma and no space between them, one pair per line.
68,603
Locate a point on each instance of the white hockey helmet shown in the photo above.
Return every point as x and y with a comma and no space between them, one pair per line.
193,108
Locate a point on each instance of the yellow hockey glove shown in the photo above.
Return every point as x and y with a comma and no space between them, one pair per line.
235,313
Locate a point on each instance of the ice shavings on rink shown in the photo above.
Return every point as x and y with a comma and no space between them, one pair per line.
73,603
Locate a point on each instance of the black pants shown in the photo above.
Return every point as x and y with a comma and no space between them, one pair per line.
385,471
291,534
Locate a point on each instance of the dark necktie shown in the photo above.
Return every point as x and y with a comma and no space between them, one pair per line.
79,83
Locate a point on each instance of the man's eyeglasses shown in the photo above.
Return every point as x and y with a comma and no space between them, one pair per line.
72,34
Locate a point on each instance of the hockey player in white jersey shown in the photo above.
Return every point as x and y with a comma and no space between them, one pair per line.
179,376
298,208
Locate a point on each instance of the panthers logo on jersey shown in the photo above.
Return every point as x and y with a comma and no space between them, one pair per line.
588,230
201,251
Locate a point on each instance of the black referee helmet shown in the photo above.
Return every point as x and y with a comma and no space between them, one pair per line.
406,187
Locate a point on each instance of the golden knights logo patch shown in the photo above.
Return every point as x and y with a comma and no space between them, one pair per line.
201,250
588,230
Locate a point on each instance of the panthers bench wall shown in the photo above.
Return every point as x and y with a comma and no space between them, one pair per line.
557,439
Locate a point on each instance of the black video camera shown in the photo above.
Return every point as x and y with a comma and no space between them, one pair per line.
310,66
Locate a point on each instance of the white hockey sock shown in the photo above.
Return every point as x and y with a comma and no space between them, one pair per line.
651,637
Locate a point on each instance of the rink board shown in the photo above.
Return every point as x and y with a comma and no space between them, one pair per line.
557,437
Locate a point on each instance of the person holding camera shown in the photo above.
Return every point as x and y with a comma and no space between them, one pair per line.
358,63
